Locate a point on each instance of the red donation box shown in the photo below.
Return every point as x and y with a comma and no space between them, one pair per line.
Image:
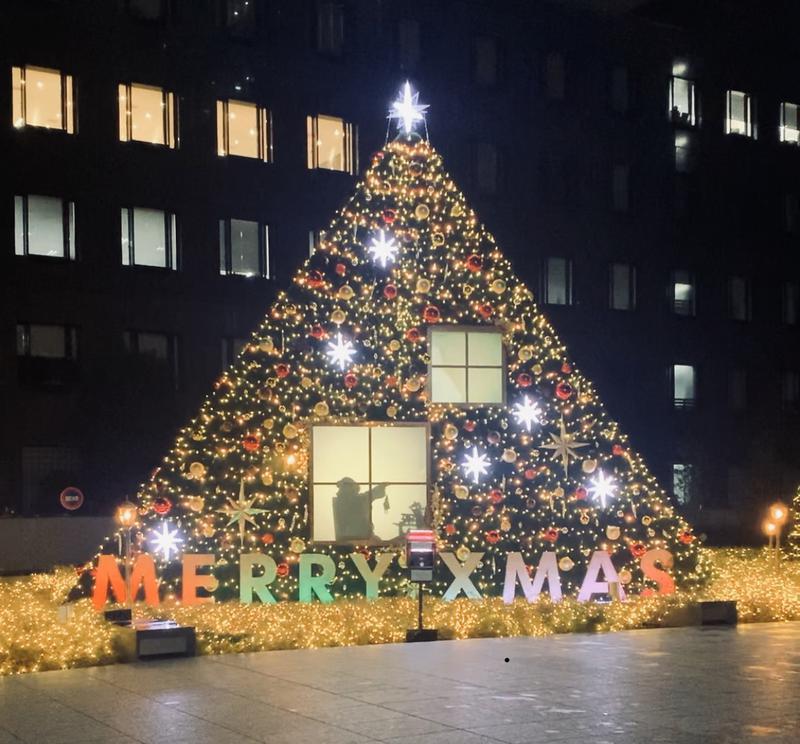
421,554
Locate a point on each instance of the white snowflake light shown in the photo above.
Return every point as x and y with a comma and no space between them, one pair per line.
340,351
527,413
475,465
407,109
383,248
602,488
166,541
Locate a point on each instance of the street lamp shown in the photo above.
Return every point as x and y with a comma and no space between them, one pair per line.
126,518
778,515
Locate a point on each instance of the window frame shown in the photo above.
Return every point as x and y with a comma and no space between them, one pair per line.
426,425
169,105
67,228
466,330
569,294
689,471
692,118
332,30
350,159
782,127
790,303
683,404
751,131
747,298
264,265
130,339
171,238
69,109
264,124
632,299
70,341
692,304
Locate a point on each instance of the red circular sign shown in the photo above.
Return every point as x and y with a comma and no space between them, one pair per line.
71,498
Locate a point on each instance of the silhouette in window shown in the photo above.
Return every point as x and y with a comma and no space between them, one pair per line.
352,511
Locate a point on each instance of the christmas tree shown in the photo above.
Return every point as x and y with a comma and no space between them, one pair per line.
406,379
794,526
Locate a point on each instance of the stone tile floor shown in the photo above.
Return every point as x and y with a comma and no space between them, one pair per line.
710,685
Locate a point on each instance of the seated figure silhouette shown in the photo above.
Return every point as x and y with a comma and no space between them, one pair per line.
352,511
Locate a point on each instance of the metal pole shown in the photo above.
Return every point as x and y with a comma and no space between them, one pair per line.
128,588
419,619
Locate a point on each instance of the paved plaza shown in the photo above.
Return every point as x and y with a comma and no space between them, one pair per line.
680,685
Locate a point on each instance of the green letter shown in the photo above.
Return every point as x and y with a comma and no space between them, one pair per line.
372,577
316,584
258,584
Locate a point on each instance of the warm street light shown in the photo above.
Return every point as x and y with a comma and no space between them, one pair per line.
779,513
126,517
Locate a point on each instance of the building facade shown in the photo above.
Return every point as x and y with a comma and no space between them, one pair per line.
168,164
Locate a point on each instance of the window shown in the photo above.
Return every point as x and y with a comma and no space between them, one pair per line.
466,365
147,114
737,389
789,304
682,101
331,144
149,238
240,16
46,471
739,114
554,75
408,43
683,386
231,349
243,248
486,167
790,389
739,298
330,28
44,226
156,355
619,188
791,213
683,483
683,293
789,131
684,152
243,129
46,341
557,281
314,239
485,61
369,484
619,89
42,98
622,294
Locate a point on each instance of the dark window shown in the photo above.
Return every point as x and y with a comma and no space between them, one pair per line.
790,389
330,28
619,89
486,167
231,349
154,356
620,177
554,76
485,72
622,287
738,298
243,248
46,354
791,213
789,302
557,281
737,389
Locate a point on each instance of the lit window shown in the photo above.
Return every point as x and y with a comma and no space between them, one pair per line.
231,350
330,28
683,386
466,365
243,129
314,238
682,102
369,484
737,389
485,61
790,389
554,76
683,293
44,226
486,167
155,353
622,295
243,248
42,98
739,298
557,281
240,16
46,341
149,238
682,482
331,144
790,301
147,114
739,117
408,43
619,188
684,151
789,131
619,89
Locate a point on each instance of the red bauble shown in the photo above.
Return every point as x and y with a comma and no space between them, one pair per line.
551,534
390,291
315,279
340,269
469,425
530,473
580,493
431,314
566,368
474,262
495,495
449,529
413,335
282,569
251,442
389,216
162,505
350,380
492,536
638,550
564,390
267,538
618,450
282,370
390,381
317,332
485,310
524,379
687,538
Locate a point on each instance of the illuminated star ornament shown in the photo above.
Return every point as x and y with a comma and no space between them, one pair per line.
383,249
602,488
527,413
407,109
564,446
241,511
166,541
475,465
340,351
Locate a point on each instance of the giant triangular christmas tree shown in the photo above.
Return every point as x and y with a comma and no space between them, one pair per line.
406,379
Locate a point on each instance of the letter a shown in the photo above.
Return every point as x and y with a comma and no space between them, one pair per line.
601,561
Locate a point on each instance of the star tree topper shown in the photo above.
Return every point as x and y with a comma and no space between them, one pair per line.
564,445
241,511
407,109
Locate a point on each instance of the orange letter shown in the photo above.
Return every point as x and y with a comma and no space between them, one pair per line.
192,581
108,573
648,561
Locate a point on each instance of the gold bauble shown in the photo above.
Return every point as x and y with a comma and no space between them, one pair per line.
536,369
297,545
457,210
266,345
195,503
208,530
461,492
423,286
450,431
268,423
509,455
468,289
462,553
321,409
558,492
422,211
498,286
413,384
394,345
345,292
646,520
391,411
197,469
625,576
306,382
526,353
505,524
584,518
198,436
612,532
266,477
589,466
566,563
437,239
290,431
338,316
